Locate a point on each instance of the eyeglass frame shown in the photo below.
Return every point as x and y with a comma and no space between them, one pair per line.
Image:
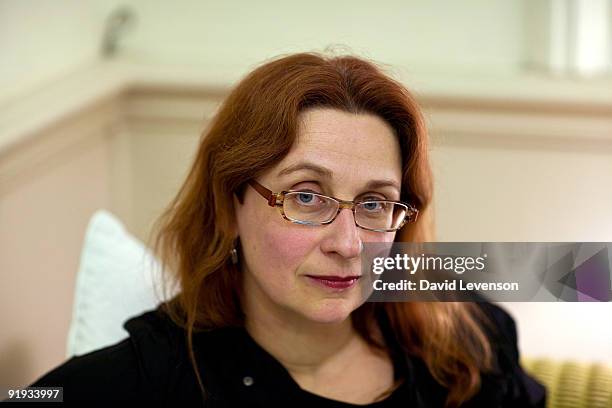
278,199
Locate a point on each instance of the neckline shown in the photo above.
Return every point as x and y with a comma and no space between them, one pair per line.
260,357
319,399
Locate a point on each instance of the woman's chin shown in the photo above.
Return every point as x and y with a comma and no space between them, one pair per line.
331,311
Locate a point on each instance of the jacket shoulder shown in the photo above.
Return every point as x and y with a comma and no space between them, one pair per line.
108,373
139,367
520,388
501,328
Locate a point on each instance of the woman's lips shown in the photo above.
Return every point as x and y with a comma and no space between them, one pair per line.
333,282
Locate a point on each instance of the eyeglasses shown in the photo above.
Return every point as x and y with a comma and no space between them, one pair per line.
310,208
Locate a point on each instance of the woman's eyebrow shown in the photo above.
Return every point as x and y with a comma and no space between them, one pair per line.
322,171
327,173
374,184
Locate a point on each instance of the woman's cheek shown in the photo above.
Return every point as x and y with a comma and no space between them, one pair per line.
287,248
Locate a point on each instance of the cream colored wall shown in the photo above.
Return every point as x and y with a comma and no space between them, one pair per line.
164,131
427,35
42,40
44,209
506,190
563,330
232,36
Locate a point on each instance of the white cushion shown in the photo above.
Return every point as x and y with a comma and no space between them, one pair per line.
118,278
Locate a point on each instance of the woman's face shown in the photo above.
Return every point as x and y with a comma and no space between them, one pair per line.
279,259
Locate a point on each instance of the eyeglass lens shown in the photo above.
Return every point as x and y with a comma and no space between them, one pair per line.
312,208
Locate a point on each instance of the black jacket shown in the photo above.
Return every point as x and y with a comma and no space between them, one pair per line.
152,366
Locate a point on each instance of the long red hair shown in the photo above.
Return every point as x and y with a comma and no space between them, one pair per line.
252,131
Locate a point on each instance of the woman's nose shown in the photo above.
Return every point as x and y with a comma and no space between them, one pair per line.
343,236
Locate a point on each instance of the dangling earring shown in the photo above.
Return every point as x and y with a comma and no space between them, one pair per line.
234,254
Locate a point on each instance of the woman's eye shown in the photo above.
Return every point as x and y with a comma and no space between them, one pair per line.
372,206
305,198
375,204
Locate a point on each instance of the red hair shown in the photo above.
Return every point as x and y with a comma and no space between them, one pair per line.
253,130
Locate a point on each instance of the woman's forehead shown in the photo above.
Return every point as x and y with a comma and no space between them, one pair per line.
326,125
346,141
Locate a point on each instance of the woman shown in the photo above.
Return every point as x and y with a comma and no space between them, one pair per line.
264,240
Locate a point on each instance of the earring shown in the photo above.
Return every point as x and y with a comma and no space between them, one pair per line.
234,254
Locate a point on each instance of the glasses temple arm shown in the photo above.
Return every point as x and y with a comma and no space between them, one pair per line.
264,192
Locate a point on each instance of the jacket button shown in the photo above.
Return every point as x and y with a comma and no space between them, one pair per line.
248,381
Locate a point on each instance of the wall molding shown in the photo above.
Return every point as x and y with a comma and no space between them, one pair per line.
110,95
